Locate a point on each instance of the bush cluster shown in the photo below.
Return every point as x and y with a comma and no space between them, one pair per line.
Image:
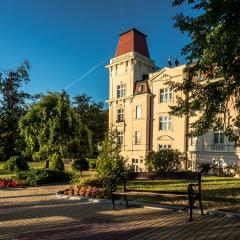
10,183
218,169
35,177
15,164
56,163
86,191
165,160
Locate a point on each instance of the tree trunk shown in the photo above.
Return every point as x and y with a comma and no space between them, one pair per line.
47,164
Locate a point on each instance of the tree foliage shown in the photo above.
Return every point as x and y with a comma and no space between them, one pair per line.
15,164
111,166
51,126
165,160
213,54
13,105
80,165
94,116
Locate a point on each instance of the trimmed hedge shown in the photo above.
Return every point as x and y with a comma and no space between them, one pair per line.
15,164
35,177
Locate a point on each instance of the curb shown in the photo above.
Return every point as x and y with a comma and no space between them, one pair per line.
141,204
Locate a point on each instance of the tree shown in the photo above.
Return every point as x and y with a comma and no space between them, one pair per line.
80,165
165,160
213,54
111,166
51,126
94,116
13,104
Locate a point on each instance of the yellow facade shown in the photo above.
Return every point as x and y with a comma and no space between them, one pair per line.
142,118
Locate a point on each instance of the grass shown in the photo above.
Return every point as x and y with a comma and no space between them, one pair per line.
216,191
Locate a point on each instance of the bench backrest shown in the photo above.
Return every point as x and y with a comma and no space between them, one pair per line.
165,175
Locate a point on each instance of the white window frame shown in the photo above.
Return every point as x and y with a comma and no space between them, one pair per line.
137,137
219,136
121,90
138,111
164,146
165,123
120,115
120,137
166,95
135,165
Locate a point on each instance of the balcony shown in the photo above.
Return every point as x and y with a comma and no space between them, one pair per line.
218,148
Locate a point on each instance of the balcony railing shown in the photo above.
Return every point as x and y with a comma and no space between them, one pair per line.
214,148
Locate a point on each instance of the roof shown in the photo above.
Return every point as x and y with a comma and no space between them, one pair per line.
132,41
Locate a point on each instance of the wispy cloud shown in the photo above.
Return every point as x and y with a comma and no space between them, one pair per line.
86,74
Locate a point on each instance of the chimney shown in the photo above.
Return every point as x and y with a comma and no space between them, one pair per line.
132,41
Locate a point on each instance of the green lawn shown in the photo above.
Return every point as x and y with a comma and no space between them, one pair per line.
214,189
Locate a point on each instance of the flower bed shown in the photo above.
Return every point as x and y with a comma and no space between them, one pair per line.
84,191
10,183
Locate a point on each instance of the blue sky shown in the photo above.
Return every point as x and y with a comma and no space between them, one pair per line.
64,39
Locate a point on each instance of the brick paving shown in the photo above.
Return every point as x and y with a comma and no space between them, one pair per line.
35,213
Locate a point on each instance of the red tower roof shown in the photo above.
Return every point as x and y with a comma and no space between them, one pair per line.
132,41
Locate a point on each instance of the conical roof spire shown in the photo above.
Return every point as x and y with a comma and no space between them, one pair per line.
132,41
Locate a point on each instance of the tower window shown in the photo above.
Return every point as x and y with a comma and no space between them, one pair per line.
120,115
137,137
121,90
138,111
120,137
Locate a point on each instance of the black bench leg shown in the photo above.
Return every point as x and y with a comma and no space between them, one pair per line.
191,202
113,202
125,197
200,204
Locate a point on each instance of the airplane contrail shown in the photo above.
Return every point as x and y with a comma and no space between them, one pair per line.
85,74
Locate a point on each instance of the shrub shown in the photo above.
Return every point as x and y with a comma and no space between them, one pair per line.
92,182
111,166
92,163
16,164
43,176
80,165
56,163
86,191
10,183
205,167
165,160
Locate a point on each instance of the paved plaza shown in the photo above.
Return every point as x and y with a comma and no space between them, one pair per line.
35,213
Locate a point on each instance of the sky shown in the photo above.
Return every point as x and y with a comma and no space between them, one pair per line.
69,42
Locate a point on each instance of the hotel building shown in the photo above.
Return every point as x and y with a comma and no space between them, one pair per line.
139,100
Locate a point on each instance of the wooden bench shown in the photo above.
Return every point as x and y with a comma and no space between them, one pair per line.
193,190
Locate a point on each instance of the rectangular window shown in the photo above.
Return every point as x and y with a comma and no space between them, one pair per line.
121,90
165,123
120,137
135,165
137,137
218,138
165,95
120,115
164,146
193,140
138,111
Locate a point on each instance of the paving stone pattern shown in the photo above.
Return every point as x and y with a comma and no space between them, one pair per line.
35,213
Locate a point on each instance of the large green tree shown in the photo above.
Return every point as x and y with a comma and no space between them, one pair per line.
52,126
94,116
13,104
212,79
